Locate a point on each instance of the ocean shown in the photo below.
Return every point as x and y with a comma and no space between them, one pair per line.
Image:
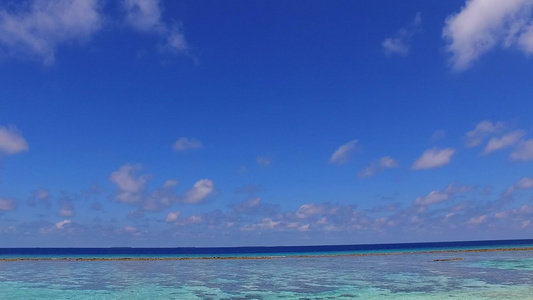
451,270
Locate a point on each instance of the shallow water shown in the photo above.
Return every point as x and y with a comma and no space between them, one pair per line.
484,275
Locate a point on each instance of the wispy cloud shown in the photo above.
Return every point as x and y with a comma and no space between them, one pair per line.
40,196
342,154
523,151
384,163
66,208
145,16
482,130
508,140
523,184
185,143
264,161
400,42
11,141
438,135
482,25
36,30
442,195
7,204
433,158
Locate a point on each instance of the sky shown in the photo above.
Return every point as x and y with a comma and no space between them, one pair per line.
158,123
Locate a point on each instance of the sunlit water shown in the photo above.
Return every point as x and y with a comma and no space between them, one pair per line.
487,275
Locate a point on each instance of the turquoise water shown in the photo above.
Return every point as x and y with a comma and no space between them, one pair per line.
479,275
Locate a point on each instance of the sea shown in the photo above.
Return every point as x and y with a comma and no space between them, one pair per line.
444,270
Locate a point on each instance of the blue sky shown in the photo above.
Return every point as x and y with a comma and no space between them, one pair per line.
228,123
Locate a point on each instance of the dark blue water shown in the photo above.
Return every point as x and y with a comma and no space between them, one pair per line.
213,251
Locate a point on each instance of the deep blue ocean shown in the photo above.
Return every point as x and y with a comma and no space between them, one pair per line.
275,250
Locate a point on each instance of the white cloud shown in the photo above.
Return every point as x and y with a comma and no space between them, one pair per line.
478,220
7,204
483,130
523,184
60,224
385,162
523,151
36,30
11,141
199,192
483,24
400,42
130,186
432,198
145,16
443,195
172,216
266,223
308,210
504,141
341,156
434,158
184,144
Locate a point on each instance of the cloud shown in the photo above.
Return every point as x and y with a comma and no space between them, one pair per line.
40,196
478,220
264,161
482,25
162,197
11,141
172,216
199,192
61,224
255,206
37,29
266,223
341,156
442,195
400,42
184,144
131,229
145,16
248,205
130,186
385,162
7,204
504,141
523,184
433,158
132,190
308,210
523,151
66,207
483,130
